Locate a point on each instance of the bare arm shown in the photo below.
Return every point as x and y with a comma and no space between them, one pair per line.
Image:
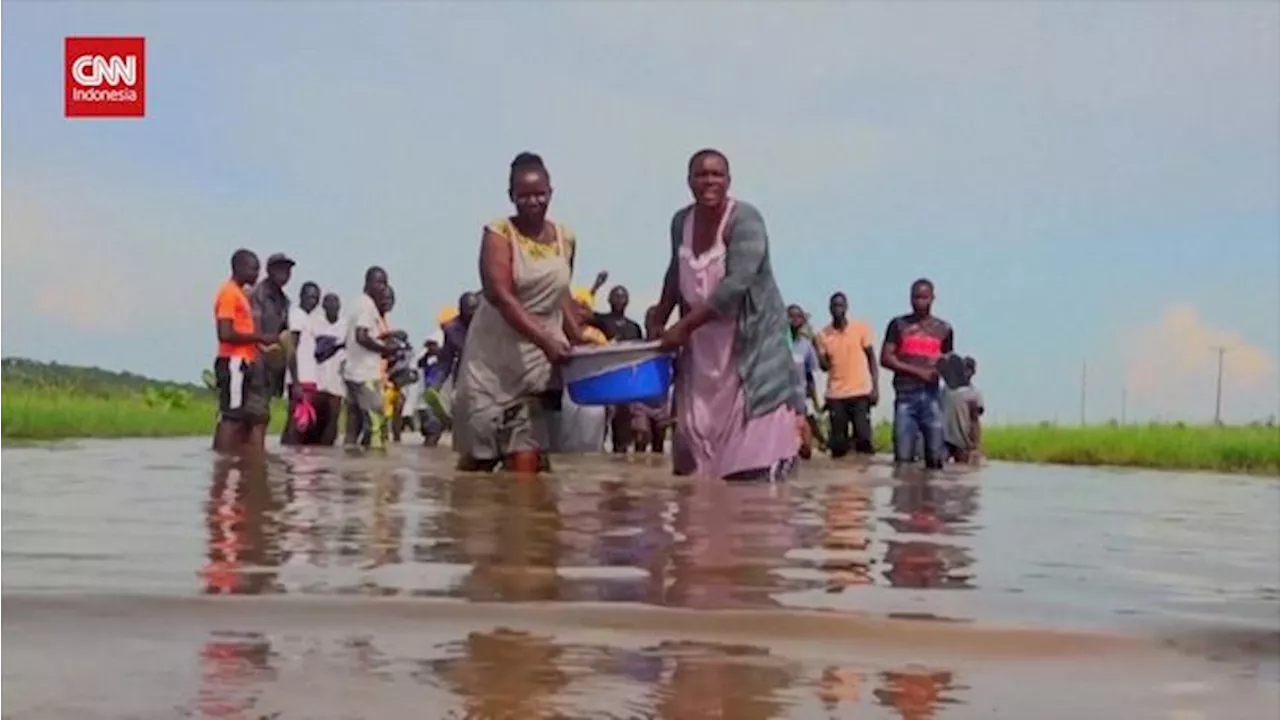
889,359
975,415
449,351
874,368
572,328
229,336
499,287
602,277
656,319
811,391
889,356
811,385
295,336
824,357
368,342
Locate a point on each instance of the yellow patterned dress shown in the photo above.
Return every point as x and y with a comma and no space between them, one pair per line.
503,377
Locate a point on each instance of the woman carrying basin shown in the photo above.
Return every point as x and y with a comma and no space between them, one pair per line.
507,384
735,395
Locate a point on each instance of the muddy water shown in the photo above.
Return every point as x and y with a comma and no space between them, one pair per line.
142,579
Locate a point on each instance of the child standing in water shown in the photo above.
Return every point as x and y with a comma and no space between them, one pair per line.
736,391
962,408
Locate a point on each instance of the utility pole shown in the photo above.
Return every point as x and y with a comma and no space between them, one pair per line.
1124,402
1217,401
1084,388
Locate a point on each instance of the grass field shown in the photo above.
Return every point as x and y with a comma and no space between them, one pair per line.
51,401
1171,446
51,412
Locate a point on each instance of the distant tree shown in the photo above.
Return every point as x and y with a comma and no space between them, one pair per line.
25,373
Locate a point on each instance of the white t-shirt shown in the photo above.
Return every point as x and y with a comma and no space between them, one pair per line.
301,322
363,364
329,372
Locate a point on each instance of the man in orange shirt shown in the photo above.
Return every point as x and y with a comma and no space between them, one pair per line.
846,354
241,378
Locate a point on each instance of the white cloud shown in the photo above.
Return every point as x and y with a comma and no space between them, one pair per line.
1172,370
971,142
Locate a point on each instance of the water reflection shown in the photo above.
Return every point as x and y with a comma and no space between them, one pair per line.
506,673
846,536
508,533
503,674
313,522
927,509
241,516
730,541
707,680
917,694
233,669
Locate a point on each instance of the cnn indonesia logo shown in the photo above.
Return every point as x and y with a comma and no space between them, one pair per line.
105,77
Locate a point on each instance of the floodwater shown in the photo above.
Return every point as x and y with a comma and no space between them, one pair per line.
142,579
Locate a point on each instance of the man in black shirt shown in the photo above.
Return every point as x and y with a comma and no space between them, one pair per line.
913,344
616,326
271,311
455,339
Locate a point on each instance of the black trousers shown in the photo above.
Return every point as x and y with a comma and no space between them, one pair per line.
846,414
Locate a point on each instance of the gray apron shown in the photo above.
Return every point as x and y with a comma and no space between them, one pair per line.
496,406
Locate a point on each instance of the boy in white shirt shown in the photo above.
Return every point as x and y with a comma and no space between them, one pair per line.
302,372
330,331
362,371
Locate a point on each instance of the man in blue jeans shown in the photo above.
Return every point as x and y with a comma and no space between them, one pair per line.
913,343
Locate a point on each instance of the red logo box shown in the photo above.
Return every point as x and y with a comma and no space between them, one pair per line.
106,77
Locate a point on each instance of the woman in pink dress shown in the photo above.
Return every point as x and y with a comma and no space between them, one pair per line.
735,394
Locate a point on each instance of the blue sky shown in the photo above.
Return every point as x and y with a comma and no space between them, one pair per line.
1085,182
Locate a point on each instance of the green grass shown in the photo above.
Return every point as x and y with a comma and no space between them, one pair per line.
1234,449
50,414
1170,446
31,413
50,401
58,414
53,402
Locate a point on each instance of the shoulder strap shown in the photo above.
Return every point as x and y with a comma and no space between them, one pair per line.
724,221
560,242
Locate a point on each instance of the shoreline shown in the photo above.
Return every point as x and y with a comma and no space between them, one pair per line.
779,625
339,657
1063,451
37,415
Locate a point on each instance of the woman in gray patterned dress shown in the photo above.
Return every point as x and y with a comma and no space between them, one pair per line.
507,384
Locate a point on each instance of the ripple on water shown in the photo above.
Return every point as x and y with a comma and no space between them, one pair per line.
1019,544
1047,548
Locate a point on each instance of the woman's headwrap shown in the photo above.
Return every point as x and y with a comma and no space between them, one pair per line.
446,315
584,296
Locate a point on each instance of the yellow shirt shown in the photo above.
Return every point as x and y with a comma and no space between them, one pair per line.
849,374
505,228
593,335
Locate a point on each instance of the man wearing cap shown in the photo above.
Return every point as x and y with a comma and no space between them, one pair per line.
271,311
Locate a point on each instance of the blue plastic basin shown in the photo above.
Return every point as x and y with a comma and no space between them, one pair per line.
631,383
